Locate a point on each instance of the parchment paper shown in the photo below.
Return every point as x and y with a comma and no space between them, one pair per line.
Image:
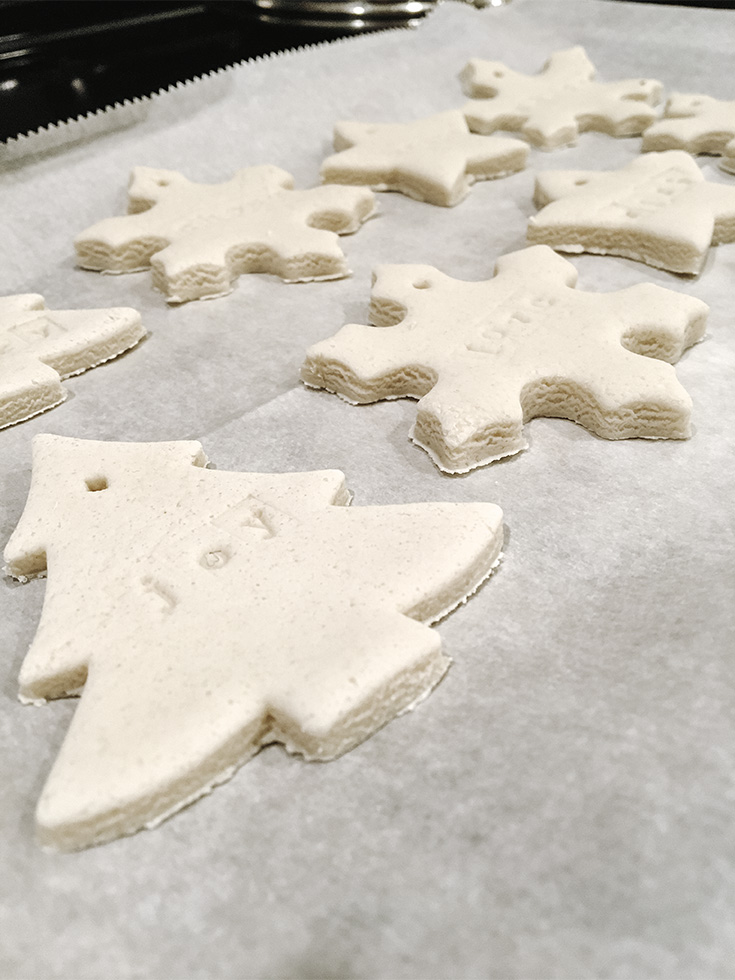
561,806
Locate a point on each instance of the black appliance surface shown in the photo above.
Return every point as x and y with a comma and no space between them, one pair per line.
60,59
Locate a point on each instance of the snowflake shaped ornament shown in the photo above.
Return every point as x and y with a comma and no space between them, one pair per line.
697,123
484,357
434,160
198,238
40,347
658,209
552,108
205,614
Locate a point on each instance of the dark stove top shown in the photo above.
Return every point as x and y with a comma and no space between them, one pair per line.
61,59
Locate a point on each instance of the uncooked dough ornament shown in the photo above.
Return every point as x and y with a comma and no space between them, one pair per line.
40,347
552,108
198,238
435,159
697,123
658,209
483,357
203,614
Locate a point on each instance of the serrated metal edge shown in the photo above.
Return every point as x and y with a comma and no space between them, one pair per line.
116,115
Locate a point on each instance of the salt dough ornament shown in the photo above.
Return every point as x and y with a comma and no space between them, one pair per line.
484,357
552,108
434,160
198,238
697,123
40,347
204,614
658,209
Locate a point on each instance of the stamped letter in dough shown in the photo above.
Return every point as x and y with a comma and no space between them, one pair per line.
204,614
484,357
434,160
551,109
658,209
198,238
40,347
697,123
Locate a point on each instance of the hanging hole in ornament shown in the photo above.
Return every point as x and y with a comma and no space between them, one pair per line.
216,558
96,483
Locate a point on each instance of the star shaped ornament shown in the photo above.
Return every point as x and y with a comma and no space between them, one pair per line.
697,123
40,347
485,357
658,209
203,614
434,160
551,109
198,238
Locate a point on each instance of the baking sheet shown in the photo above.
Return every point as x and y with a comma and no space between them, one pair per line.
561,805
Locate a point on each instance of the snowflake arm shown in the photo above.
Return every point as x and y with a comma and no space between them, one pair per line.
553,185
27,388
697,123
161,205
665,324
149,186
540,264
364,365
720,199
464,422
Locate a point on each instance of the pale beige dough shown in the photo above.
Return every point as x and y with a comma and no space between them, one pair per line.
659,209
552,108
434,160
697,123
41,347
203,614
484,357
198,238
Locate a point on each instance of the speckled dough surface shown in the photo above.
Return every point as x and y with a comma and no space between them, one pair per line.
435,159
560,806
198,238
553,107
40,347
697,123
659,209
206,614
483,357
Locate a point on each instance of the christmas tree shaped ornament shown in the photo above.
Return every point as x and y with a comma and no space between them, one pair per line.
434,160
697,123
485,357
203,614
658,209
551,109
198,238
40,347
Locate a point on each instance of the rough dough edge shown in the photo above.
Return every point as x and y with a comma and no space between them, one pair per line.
130,338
